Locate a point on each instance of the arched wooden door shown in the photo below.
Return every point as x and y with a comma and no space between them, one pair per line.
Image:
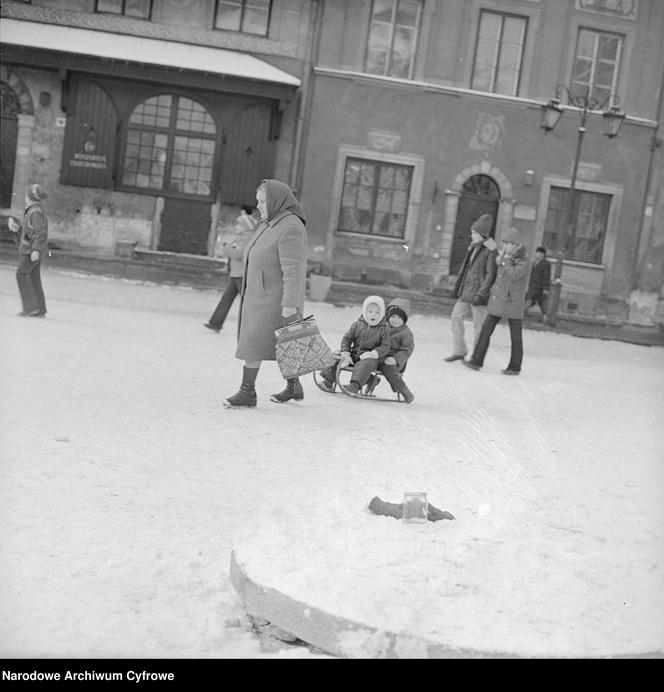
8,134
479,195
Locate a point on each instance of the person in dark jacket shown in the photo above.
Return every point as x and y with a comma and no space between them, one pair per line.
31,251
273,287
402,345
507,299
364,344
232,245
539,283
472,287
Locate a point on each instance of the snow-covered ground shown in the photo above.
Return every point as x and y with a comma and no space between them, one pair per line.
125,486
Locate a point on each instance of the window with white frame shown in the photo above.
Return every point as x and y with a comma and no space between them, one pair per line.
170,145
248,16
375,198
131,8
597,63
392,41
499,53
586,238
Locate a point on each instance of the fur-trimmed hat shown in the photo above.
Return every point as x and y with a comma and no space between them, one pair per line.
483,225
511,235
36,193
376,300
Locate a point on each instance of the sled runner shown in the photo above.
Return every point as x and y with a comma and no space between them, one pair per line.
367,391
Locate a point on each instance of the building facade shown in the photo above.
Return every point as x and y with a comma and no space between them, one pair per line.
426,114
398,122
149,121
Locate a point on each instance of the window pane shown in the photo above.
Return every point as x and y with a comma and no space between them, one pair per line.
114,6
145,160
608,48
192,116
155,112
408,13
498,52
229,16
402,54
256,15
383,10
138,8
191,172
586,242
587,42
375,198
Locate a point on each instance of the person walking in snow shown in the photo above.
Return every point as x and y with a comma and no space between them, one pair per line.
402,345
31,251
539,283
232,245
478,272
507,299
365,343
273,287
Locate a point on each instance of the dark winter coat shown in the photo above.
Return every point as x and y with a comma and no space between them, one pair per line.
540,278
275,270
362,337
34,231
478,272
402,340
508,293
232,245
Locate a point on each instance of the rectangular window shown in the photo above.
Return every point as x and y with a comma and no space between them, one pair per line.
393,37
585,242
499,53
375,198
597,63
130,8
248,16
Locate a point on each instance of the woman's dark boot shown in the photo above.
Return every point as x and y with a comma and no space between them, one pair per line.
246,397
293,391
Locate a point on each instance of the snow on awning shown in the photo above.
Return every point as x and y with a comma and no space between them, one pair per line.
103,44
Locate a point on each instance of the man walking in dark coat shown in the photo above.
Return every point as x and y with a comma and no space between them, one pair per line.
32,249
476,277
539,283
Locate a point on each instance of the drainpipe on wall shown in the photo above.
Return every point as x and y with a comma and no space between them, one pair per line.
638,255
304,112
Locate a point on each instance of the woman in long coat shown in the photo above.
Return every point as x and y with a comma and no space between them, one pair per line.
273,287
507,299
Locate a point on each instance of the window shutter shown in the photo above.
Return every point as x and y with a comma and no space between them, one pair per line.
89,144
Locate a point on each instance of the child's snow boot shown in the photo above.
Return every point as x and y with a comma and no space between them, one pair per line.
406,393
246,397
353,387
293,391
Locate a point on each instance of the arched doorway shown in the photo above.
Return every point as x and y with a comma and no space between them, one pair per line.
479,195
8,134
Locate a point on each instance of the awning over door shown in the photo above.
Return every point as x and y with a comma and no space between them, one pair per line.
136,49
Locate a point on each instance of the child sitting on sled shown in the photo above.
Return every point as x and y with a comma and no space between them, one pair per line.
363,346
402,344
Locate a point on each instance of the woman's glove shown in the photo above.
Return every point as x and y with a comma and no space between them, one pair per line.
345,359
369,354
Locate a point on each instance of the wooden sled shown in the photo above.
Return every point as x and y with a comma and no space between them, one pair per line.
367,391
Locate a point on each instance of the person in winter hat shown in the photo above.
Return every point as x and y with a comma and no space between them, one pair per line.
273,287
538,283
364,344
32,249
478,272
402,345
232,245
507,299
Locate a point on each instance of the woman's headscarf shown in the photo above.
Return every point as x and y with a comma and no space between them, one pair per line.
280,198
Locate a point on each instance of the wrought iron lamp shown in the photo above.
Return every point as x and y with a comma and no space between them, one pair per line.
552,111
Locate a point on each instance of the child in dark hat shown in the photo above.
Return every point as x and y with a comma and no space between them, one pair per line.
402,344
